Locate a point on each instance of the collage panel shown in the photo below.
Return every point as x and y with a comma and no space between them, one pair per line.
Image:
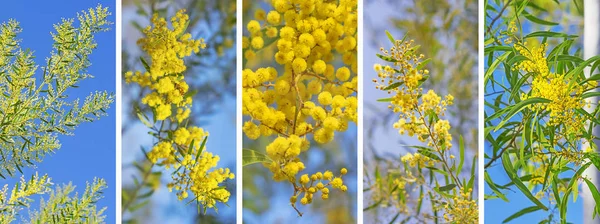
178,111
541,111
300,110
57,112
420,150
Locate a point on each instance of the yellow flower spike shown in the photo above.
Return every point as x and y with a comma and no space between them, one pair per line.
196,172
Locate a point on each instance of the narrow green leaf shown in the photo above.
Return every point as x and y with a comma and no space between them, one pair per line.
461,146
250,156
447,187
521,213
595,194
393,86
389,35
385,100
518,107
517,181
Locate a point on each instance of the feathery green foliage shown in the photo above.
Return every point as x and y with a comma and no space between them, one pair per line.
33,109
61,207
34,112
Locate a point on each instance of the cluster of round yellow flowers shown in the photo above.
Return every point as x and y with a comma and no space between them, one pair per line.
182,147
564,95
462,209
404,82
312,93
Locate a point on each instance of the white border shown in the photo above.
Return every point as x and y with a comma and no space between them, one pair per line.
480,131
360,161
118,218
238,110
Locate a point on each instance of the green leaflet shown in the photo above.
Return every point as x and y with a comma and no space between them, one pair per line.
517,181
250,156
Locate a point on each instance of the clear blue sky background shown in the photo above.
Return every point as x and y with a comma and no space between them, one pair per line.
496,210
91,151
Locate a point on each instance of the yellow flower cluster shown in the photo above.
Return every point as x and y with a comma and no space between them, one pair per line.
315,183
404,81
284,153
417,159
166,47
564,94
184,147
463,209
314,90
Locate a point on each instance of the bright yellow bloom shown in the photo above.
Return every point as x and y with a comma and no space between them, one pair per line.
308,96
184,147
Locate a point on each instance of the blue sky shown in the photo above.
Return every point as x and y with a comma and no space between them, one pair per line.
91,151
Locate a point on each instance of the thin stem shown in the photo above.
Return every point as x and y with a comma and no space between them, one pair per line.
497,16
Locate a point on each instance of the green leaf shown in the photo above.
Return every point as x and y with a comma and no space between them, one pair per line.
538,20
518,107
423,63
490,70
385,99
573,183
201,148
393,86
427,152
492,186
389,35
517,181
522,212
250,156
144,120
595,193
375,205
387,58
447,187
395,217
549,34
594,158
146,66
461,146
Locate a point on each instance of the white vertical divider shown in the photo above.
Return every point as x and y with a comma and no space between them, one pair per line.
118,94
238,109
360,140
480,93
591,48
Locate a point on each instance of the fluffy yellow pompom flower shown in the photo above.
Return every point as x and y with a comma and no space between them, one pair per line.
253,26
257,42
319,66
274,18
